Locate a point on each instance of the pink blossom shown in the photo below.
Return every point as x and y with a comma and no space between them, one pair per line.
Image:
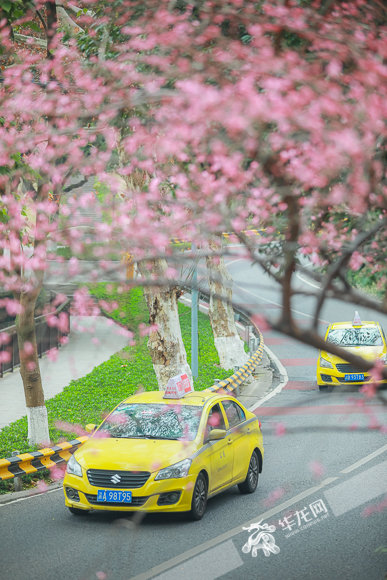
317,469
28,348
41,486
334,68
375,508
5,356
57,472
273,497
53,354
280,429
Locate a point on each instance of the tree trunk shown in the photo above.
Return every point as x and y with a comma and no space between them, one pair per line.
228,343
52,22
165,344
30,371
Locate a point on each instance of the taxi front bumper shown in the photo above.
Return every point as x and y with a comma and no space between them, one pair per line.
151,497
334,377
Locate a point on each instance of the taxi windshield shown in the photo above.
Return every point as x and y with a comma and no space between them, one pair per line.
355,336
153,421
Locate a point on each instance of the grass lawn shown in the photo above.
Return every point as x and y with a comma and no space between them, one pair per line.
87,399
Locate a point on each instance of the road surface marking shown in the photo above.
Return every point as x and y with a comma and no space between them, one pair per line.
358,489
321,410
284,379
300,277
233,261
274,341
300,386
280,305
231,533
210,565
31,496
298,362
364,460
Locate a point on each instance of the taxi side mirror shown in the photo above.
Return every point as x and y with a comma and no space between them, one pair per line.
90,428
217,434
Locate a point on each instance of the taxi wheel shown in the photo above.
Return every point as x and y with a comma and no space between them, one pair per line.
251,481
78,512
199,498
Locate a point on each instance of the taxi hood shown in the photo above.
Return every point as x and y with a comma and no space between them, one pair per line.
132,454
369,353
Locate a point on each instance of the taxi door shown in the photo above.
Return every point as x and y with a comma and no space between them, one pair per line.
238,432
220,452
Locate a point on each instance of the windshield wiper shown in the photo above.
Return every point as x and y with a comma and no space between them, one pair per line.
160,437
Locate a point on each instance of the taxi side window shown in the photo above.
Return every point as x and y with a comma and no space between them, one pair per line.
215,420
234,413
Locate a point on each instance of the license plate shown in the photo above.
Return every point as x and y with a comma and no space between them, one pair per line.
354,377
114,496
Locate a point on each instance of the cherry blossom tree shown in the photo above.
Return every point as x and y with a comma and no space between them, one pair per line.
243,116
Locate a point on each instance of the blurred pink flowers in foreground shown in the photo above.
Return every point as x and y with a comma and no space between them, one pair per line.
70,428
280,429
376,508
274,496
317,469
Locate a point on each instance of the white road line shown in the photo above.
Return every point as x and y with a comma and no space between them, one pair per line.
279,305
30,496
210,565
233,261
364,460
279,387
307,281
357,490
231,533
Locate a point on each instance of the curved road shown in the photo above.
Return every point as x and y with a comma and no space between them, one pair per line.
323,467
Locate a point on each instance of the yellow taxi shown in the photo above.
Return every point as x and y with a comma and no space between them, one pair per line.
365,339
165,455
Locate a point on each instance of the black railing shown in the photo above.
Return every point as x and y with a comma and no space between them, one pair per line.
47,337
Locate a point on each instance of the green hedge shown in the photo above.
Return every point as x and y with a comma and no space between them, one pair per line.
87,399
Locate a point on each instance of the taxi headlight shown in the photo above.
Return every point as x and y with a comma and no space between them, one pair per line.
73,467
180,469
325,363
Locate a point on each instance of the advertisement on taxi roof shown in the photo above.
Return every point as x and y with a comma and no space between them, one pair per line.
177,387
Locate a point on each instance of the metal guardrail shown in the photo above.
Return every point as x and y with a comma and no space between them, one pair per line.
27,463
47,337
224,235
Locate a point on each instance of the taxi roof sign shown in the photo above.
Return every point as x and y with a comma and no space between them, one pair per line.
357,320
177,387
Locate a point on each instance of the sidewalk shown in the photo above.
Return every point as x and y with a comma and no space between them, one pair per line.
93,340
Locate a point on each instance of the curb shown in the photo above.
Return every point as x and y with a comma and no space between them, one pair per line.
13,496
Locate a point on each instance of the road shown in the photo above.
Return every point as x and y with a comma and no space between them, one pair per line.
323,466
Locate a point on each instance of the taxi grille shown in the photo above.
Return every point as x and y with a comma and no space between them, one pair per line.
348,368
136,501
117,479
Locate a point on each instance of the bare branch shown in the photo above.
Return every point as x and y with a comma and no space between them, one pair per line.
341,263
75,185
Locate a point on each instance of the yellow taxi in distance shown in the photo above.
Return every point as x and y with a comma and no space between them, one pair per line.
165,455
365,339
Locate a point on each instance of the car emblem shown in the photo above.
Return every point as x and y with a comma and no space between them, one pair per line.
115,478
